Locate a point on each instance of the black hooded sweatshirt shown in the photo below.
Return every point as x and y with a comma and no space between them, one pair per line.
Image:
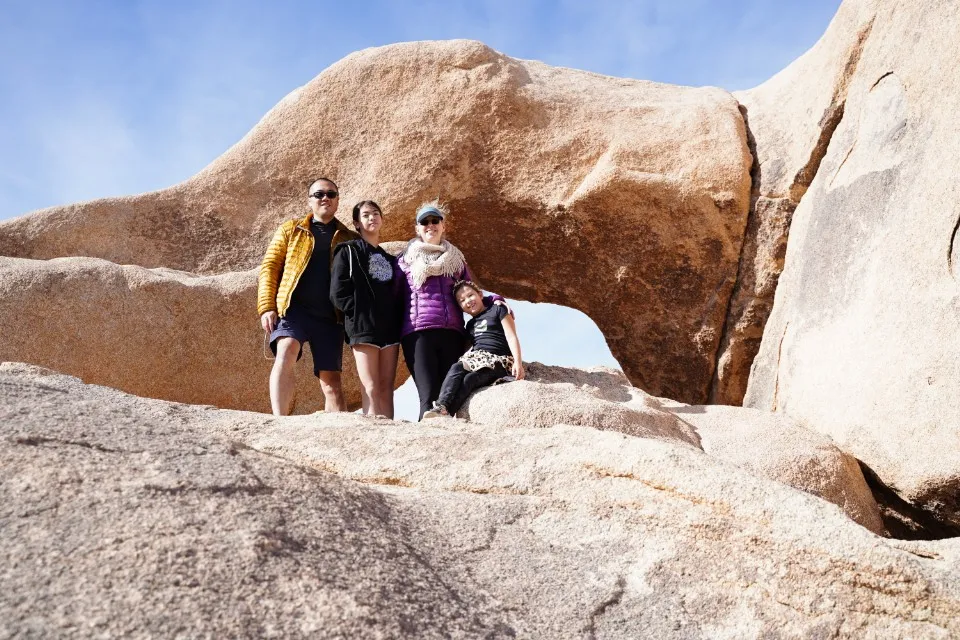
362,287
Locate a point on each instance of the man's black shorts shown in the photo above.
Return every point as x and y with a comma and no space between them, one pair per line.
325,338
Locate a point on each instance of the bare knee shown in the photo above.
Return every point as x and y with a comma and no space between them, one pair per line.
386,399
385,386
385,381
387,372
287,351
330,381
332,390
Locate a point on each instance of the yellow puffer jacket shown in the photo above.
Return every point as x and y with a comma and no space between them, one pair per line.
285,260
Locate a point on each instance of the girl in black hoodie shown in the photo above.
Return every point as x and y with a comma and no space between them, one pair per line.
362,288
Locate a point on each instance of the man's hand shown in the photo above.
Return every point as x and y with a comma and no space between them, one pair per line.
268,321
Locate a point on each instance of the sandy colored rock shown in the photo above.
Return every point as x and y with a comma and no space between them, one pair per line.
120,504
863,343
790,121
776,447
157,333
854,150
766,444
120,520
538,164
793,116
560,395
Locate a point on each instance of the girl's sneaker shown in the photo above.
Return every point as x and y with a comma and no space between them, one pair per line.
438,411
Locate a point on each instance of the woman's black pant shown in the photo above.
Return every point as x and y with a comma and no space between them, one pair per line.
429,354
460,383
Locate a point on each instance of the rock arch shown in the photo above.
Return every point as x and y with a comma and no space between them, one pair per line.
624,199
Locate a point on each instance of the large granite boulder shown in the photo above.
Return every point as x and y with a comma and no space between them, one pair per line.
863,342
128,516
766,444
774,446
157,333
790,120
662,212
595,398
124,517
566,186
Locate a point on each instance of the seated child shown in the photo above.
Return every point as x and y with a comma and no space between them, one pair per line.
495,352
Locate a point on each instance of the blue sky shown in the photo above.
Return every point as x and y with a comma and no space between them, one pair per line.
101,98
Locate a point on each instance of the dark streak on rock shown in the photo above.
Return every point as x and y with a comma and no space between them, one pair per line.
602,608
40,441
776,383
492,533
36,512
425,563
843,162
42,387
950,246
222,490
880,79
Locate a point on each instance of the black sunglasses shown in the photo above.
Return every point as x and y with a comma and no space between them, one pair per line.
431,220
319,194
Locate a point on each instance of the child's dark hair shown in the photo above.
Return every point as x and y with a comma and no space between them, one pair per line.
356,211
460,284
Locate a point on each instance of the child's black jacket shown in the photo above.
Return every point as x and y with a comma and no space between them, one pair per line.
362,287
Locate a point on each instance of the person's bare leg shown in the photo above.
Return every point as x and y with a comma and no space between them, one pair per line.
367,358
386,374
282,380
332,391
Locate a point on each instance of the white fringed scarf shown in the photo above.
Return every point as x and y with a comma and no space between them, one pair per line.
426,260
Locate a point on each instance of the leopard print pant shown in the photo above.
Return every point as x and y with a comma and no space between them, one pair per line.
476,360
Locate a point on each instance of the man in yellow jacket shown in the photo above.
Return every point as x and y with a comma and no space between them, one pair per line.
293,299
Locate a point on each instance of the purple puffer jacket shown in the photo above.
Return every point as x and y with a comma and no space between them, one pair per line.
432,306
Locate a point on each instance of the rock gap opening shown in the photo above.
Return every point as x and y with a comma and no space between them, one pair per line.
550,334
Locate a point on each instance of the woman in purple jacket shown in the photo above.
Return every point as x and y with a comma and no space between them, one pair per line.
432,334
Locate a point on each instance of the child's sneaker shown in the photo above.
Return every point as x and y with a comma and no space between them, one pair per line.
438,411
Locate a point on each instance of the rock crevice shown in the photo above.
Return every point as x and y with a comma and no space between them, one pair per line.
777,189
868,287
951,248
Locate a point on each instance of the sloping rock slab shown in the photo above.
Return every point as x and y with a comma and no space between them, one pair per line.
123,517
766,444
151,332
774,446
128,516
